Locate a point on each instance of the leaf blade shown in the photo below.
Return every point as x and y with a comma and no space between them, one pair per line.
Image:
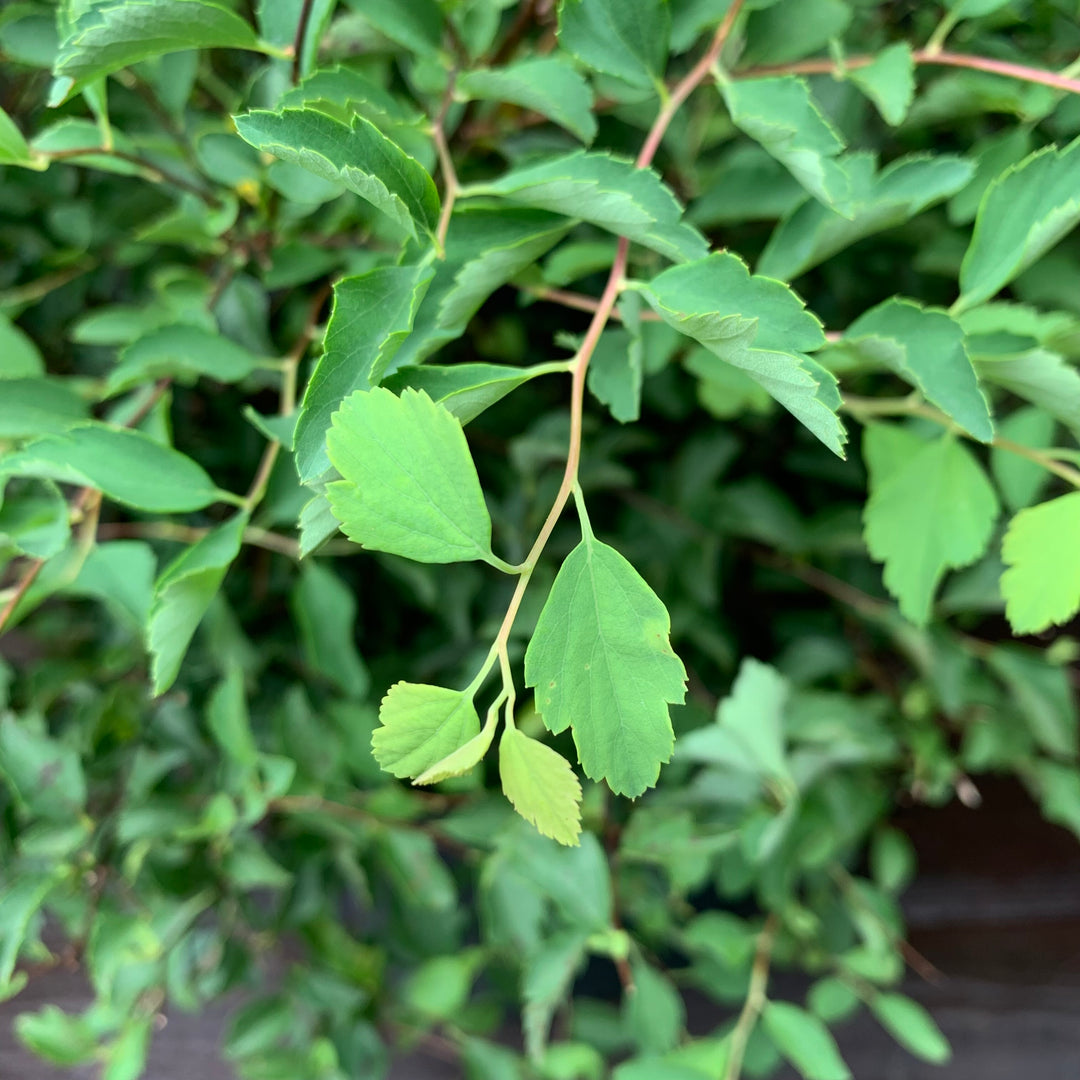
541,786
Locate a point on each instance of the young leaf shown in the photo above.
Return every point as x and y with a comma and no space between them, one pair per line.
541,786
1042,583
610,193
804,1040
1023,214
360,156
31,407
126,466
421,725
601,662
629,42
548,85
757,325
911,1026
183,593
13,148
181,350
114,34
781,114
409,485
931,509
372,315
464,757
889,82
926,347
812,232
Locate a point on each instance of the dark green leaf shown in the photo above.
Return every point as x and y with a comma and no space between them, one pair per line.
630,43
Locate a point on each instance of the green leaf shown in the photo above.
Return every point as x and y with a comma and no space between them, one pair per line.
325,612
317,524
409,483
654,1014
1044,695
422,725
1019,480
416,26
465,390
601,662
992,156
360,157
1023,214
1039,376
804,1040
343,92
465,757
926,347
229,722
13,148
812,233
892,863
608,192
931,509
34,520
615,375
182,351
547,85
757,325
21,898
547,976
889,82
183,593
768,30
371,318
911,1026
1042,583
19,356
45,775
781,114
541,786
121,574
30,407
109,36
440,987
126,466
629,42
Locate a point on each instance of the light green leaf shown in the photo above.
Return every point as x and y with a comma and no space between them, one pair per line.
19,356
183,593
1044,695
931,509
126,466
465,757
911,1026
601,662
30,407
360,156
610,193
892,863
547,85
422,725
109,36
181,350
1019,480
925,346
629,42
409,485
757,325
317,523
889,82
416,25
466,390
325,612
879,200
1023,214
541,786
371,318
13,148
781,114
1039,376
804,1040
1042,583
974,9
34,520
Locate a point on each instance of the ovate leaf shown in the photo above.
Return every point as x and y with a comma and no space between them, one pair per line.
548,85
421,725
889,82
409,485
108,36
757,325
926,347
610,36
781,114
126,466
610,193
911,1026
1042,583
183,593
601,662
372,315
541,786
804,1040
360,157
1023,214
931,509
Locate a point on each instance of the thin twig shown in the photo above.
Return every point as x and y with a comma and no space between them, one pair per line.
154,172
515,35
446,162
579,301
755,1000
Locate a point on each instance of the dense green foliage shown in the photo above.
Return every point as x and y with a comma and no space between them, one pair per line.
316,318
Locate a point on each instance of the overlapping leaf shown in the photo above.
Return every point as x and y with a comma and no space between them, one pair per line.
30,407
757,325
421,725
629,42
889,81
541,786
